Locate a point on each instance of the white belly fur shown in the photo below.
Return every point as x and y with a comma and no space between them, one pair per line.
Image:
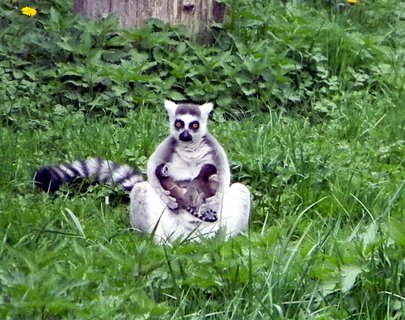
186,165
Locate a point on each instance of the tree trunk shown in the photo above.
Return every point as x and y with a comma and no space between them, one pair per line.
196,14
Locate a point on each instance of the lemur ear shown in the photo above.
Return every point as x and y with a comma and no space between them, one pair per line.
170,107
206,109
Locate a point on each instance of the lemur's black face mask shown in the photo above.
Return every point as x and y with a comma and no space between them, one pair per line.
185,134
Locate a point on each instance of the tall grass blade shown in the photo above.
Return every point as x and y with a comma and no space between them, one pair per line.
76,222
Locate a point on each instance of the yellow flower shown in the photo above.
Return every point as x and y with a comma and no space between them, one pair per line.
352,2
28,11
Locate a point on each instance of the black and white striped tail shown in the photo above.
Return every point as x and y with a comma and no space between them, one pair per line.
50,178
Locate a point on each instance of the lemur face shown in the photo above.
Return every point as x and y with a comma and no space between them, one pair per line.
188,122
186,126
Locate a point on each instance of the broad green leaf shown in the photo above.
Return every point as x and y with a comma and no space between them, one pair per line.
348,277
396,232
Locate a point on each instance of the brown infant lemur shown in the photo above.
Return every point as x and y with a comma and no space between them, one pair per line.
190,195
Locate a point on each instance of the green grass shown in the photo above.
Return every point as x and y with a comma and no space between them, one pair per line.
326,238
326,235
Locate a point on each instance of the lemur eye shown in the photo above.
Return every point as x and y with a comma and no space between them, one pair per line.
194,125
179,124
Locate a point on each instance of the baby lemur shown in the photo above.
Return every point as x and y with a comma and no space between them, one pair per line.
190,195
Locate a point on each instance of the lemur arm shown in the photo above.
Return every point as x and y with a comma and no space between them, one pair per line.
170,185
161,155
223,176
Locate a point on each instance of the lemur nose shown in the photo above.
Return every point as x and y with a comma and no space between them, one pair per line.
185,136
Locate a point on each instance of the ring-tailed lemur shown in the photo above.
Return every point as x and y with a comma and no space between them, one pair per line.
188,187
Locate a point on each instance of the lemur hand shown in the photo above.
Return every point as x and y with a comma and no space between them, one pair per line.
168,200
